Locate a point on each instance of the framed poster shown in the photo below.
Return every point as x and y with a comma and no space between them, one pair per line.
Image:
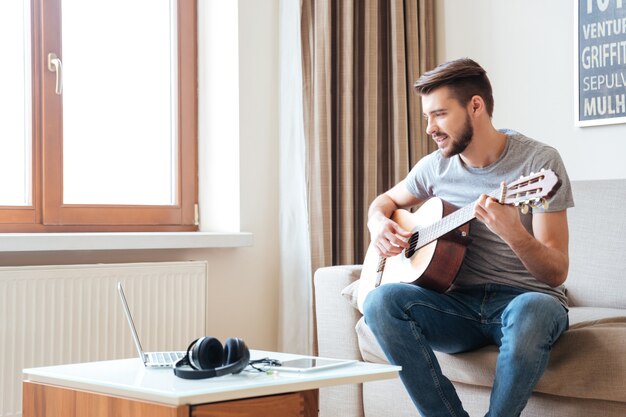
600,62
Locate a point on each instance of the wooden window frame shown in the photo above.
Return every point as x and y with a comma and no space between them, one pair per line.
47,212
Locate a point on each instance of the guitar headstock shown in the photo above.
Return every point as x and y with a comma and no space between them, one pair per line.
534,190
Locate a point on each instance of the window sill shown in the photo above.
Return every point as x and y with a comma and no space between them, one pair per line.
27,242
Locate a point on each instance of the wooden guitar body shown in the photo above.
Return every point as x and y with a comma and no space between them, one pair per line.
433,266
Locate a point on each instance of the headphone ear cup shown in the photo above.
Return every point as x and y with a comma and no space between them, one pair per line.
237,356
233,351
207,353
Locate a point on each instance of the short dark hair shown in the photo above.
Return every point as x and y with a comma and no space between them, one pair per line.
465,79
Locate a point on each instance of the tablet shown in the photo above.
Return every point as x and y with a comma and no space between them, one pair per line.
312,364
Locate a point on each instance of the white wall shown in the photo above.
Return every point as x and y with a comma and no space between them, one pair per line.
527,48
243,282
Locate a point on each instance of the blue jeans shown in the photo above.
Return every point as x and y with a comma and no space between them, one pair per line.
410,322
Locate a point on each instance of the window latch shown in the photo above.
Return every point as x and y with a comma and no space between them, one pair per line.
55,65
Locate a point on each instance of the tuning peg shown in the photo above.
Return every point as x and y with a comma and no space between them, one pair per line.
538,203
524,208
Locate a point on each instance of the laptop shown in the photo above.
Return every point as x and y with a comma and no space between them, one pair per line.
149,359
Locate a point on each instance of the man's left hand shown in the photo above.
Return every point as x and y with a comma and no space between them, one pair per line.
501,219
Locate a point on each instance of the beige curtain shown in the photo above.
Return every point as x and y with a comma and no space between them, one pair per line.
362,121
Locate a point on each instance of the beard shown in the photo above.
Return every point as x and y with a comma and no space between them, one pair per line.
461,142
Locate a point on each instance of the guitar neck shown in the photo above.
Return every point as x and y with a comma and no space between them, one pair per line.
447,224
532,190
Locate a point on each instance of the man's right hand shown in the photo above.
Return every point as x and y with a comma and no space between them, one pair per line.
388,237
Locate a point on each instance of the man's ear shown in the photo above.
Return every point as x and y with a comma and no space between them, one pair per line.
477,105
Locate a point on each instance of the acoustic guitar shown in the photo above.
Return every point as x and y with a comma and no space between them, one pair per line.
440,235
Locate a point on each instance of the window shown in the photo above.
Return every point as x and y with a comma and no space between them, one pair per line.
99,123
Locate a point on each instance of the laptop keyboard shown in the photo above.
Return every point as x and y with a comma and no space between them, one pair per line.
165,357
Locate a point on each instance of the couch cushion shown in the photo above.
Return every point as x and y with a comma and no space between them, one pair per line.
597,227
586,362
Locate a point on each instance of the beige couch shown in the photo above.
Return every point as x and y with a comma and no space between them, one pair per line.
586,375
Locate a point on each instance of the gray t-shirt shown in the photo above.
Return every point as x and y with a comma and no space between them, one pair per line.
488,258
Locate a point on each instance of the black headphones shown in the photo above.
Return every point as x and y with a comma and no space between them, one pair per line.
206,358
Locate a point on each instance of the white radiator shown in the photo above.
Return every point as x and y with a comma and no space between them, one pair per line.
53,315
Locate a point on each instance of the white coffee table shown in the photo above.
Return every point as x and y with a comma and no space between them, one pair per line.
127,388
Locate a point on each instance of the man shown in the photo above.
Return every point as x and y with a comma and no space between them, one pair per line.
509,289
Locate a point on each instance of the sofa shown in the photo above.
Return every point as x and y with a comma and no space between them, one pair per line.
586,374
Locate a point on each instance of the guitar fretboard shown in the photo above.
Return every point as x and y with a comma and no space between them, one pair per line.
422,237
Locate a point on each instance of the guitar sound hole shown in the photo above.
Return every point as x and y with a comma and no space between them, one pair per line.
410,251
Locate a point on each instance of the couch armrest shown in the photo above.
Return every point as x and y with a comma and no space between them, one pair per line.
336,318
336,337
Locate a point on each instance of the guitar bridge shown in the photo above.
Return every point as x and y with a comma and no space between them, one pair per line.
379,271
